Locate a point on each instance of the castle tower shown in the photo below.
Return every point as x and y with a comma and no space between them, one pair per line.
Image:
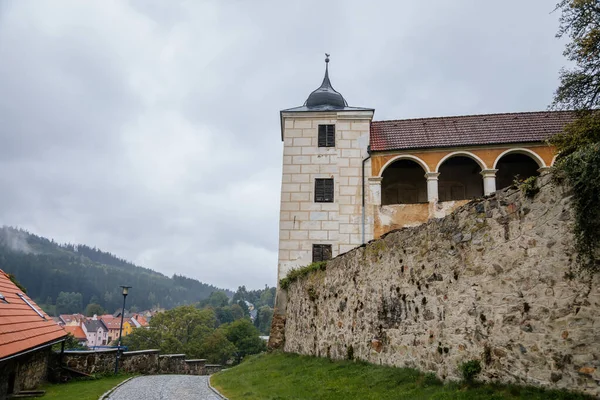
325,168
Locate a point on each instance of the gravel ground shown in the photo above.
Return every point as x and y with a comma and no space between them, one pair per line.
165,387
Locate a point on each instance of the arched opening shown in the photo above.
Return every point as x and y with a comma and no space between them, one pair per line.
459,179
403,183
514,166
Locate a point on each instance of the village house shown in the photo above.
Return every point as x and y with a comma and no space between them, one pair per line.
78,333
71,319
96,332
140,320
27,334
129,325
348,179
113,325
136,321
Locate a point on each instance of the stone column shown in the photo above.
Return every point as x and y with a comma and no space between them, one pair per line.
432,186
489,181
374,192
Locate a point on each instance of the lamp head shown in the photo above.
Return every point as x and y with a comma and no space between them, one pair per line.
125,290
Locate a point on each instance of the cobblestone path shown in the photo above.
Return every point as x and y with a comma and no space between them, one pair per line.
165,387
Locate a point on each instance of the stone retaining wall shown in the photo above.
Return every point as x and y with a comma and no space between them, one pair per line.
494,282
146,362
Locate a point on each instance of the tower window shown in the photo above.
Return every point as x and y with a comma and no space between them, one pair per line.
321,252
326,135
324,190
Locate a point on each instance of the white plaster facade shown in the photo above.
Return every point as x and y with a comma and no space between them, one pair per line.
96,337
304,222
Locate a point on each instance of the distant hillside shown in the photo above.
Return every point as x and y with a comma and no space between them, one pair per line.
47,268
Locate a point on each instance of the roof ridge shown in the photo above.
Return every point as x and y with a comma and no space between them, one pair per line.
480,115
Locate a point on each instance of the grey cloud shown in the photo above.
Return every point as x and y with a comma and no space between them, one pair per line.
151,128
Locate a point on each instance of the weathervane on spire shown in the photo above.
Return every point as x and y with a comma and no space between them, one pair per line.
327,57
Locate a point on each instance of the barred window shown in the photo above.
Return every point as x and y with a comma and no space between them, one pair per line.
324,190
326,135
321,252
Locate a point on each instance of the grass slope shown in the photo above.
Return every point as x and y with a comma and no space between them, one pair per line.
82,389
279,376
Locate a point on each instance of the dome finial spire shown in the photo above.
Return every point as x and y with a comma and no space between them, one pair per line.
325,95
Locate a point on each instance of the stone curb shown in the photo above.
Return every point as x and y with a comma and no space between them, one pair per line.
107,394
215,390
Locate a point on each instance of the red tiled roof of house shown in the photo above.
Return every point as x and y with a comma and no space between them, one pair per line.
67,318
469,130
112,323
140,319
76,331
21,328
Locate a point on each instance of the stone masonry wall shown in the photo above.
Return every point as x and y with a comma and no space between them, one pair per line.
494,281
143,362
23,373
32,370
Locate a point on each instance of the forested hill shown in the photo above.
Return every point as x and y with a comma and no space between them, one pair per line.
46,268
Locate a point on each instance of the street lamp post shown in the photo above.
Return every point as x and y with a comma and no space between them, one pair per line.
125,293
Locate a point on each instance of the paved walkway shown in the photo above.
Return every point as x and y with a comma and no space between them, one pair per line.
165,387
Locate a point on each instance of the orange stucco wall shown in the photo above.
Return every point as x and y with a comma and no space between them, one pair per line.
390,217
487,154
396,216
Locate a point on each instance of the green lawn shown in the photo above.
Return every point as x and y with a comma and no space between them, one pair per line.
279,376
82,389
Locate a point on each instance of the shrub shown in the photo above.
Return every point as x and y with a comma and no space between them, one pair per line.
528,186
470,370
297,273
578,165
581,169
350,353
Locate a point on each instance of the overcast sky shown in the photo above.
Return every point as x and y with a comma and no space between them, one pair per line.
150,128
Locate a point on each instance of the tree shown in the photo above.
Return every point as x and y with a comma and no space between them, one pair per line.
263,318
241,294
180,330
218,299
217,349
579,87
244,307
237,311
244,337
224,315
94,309
69,303
578,147
267,297
144,339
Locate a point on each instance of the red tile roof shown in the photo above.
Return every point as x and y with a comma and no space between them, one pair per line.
76,331
21,328
112,323
68,318
467,130
140,318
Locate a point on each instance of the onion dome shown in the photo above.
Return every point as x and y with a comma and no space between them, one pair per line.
325,95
